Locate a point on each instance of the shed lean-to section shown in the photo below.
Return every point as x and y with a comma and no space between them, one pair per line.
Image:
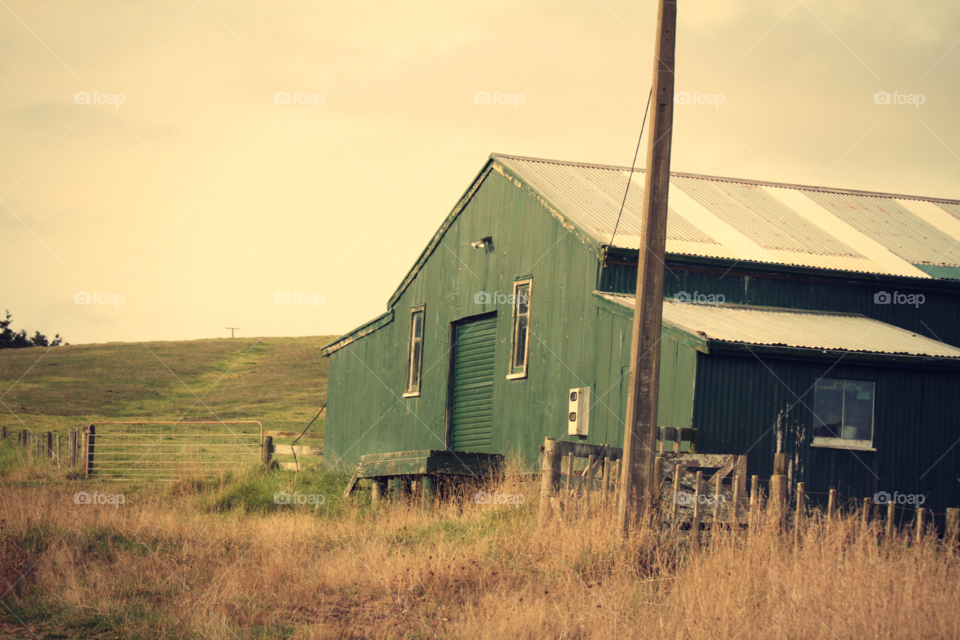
746,243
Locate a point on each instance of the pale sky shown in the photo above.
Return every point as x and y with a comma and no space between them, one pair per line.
199,198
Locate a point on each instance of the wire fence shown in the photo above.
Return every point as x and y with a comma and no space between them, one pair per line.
169,450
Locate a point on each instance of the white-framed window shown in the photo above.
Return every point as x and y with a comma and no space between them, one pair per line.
415,352
520,338
843,413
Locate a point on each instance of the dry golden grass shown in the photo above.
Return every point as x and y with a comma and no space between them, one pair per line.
189,560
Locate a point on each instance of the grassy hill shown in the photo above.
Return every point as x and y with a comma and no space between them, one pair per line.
281,382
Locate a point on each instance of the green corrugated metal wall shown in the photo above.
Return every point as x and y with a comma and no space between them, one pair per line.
743,401
573,343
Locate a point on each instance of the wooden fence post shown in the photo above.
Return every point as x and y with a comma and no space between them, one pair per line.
801,510
26,439
378,490
58,449
4,431
778,498
72,449
606,479
267,450
779,464
49,444
716,500
953,527
550,469
754,503
734,521
832,504
676,496
921,512
891,519
867,504
695,524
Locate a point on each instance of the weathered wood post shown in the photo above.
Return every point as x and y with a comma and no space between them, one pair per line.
676,496
266,450
778,498
90,439
396,488
695,523
867,505
953,528
49,444
921,514
832,504
736,502
891,519
779,464
754,503
549,472
606,479
570,473
428,491
378,490
58,449
716,500
801,510
3,430
72,449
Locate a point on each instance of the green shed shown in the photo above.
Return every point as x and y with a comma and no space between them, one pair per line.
822,323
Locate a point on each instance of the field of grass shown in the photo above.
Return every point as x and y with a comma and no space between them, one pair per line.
281,382
219,558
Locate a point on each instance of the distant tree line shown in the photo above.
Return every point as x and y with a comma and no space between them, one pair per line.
10,339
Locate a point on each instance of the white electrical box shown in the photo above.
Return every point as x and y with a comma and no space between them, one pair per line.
578,416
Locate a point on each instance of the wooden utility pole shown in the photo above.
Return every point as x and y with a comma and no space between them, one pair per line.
640,434
232,329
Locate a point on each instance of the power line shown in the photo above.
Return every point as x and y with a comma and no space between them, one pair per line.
630,177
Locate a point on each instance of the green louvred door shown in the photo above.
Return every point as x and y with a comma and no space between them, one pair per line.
473,385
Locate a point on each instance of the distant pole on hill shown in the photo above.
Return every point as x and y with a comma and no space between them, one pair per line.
232,329
640,432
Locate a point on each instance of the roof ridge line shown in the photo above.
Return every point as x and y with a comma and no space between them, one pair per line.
762,183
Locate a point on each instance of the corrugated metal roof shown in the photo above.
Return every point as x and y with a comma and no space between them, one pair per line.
791,328
757,221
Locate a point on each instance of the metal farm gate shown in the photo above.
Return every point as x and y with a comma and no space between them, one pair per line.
169,450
